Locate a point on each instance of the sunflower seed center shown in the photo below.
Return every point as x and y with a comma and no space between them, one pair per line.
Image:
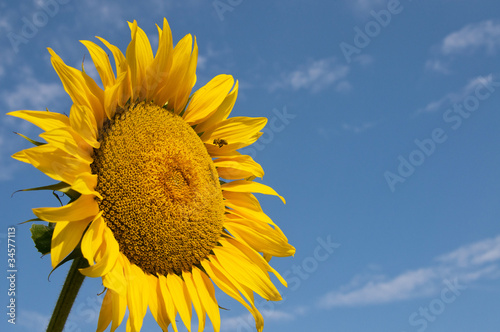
161,193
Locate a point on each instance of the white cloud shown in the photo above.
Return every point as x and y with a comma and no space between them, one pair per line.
469,263
457,96
32,94
315,76
472,37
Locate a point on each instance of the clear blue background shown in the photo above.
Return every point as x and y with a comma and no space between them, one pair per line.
347,107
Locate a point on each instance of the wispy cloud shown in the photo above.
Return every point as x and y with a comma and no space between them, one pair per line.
32,94
473,37
469,263
315,76
457,96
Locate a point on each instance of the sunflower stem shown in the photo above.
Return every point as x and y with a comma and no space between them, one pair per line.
70,289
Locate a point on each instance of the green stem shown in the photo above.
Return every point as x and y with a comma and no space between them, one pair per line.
72,285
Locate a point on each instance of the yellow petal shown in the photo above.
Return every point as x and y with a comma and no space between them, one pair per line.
120,60
84,207
106,312
261,237
237,167
115,279
231,287
208,98
139,58
238,132
156,303
206,293
255,257
250,186
116,95
137,295
83,121
193,293
110,251
92,239
181,76
80,87
182,300
245,205
56,163
206,127
65,238
101,62
85,184
160,68
246,272
67,140
168,301
43,119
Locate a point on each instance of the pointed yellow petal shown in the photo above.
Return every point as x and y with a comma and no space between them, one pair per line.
182,300
101,62
139,58
43,119
80,87
246,272
106,313
261,237
137,294
182,76
110,250
250,186
168,301
254,256
237,167
231,287
116,95
83,121
238,132
92,239
120,60
84,207
208,98
223,111
246,205
56,163
206,293
65,238
67,140
157,74
156,303
193,293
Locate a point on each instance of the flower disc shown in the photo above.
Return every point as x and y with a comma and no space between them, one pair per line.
161,194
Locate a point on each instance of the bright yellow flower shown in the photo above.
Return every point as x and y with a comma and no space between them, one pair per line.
151,215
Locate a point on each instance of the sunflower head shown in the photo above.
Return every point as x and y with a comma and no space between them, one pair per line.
146,158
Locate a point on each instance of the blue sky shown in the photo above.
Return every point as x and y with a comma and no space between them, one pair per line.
382,136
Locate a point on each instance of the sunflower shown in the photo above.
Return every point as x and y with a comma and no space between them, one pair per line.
162,202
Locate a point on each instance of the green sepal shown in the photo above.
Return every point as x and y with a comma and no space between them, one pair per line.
30,140
61,186
77,252
31,220
42,236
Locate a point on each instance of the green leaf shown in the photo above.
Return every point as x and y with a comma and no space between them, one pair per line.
42,236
